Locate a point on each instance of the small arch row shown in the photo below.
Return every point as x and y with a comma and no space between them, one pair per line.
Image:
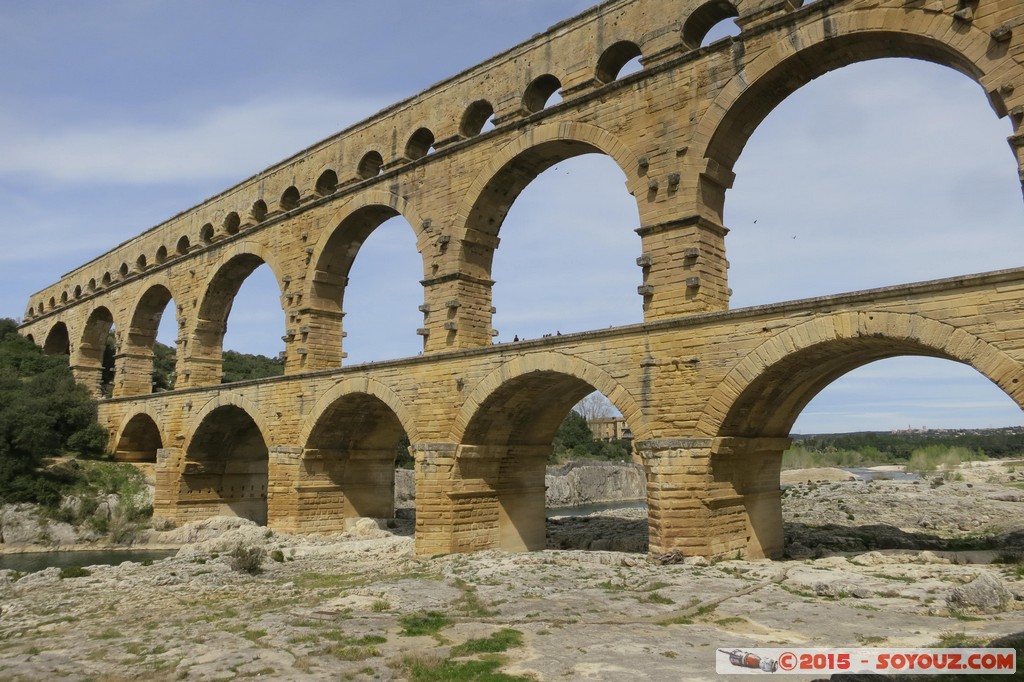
541,92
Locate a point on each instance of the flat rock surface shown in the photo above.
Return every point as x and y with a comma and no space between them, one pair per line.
334,607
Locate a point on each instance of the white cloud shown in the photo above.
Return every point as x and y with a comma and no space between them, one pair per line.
224,143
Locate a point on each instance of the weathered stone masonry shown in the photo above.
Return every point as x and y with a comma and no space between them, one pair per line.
709,394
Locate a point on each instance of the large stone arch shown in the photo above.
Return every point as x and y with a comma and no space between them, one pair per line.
749,416
556,363
139,436
504,433
58,339
224,467
484,205
135,359
368,199
832,40
206,335
764,394
487,201
364,385
228,399
346,468
330,264
89,357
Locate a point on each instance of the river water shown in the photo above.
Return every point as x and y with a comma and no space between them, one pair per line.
30,562
872,474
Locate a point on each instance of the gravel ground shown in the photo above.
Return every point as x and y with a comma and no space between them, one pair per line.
360,606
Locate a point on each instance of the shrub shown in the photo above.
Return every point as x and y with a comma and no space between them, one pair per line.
417,624
248,559
73,572
43,413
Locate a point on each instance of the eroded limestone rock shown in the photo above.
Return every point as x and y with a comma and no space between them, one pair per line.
984,594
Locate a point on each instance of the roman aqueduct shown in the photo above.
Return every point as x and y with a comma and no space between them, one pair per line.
709,393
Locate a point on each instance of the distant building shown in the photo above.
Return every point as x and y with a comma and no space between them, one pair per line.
610,428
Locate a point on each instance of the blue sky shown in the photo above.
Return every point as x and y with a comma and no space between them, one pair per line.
117,115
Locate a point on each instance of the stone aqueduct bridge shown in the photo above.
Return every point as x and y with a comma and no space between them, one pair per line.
710,394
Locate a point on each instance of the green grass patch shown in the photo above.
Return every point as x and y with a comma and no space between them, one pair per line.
459,671
308,638
655,598
958,640
730,620
346,652
897,578
74,572
418,624
963,616
500,641
470,603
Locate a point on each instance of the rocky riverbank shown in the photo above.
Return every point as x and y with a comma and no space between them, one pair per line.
568,485
360,606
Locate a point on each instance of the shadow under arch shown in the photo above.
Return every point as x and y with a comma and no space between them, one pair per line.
331,263
224,467
505,432
575,370
360,385
206,338
349,446
58,340
138,438
835,41
749,417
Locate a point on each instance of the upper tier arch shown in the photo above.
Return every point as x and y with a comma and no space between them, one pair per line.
487,201
831,41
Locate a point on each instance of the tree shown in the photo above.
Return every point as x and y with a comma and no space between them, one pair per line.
164,363
109,372
594,406
573,434
243,367
43,413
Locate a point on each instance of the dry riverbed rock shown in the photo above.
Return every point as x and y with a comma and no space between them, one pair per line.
361,605
984,594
